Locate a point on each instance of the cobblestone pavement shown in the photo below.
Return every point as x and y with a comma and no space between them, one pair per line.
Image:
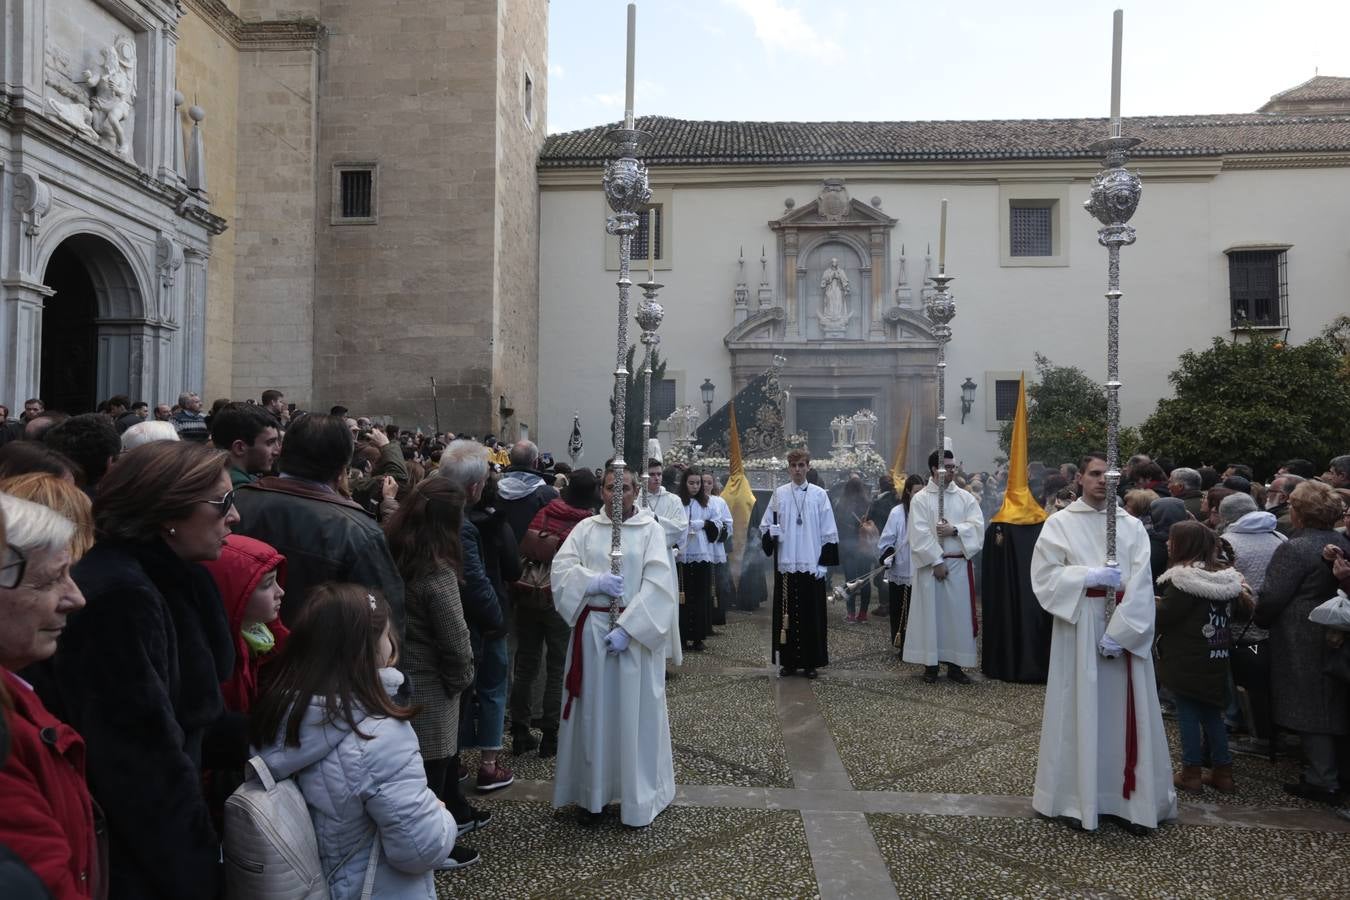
870,783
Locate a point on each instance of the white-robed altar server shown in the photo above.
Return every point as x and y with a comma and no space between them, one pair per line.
670,515
942,623
1103,749
614,739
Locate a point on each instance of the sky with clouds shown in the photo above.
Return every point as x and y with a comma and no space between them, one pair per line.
906,60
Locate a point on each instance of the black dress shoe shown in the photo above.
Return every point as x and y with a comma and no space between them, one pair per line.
588,819
1311,792
698,647
810,673
957,675
930,675
786,672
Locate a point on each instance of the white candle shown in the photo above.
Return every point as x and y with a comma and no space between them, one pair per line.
632,54
1117,23
942,239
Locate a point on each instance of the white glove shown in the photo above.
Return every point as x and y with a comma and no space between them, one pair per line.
608,583
695,524
617,640
1109,648
775,530
1104,577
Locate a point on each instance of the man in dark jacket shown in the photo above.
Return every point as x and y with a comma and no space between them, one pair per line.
522,492
323,535
1184,484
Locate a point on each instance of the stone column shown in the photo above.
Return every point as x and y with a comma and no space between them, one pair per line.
878,250
22,327
790,298
192,337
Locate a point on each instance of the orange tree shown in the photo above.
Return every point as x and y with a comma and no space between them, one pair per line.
1260,402
1066,416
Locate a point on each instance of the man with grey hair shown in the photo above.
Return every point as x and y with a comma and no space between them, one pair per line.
522,491
1184,484
1277,500
465,465
147,433
1338,472
189,421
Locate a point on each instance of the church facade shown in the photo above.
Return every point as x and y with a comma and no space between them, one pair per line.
336,200
813,242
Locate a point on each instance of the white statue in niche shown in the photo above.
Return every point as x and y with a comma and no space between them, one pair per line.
103,112
834,313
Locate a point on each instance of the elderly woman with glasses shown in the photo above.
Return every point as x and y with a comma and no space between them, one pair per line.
138,671
46,816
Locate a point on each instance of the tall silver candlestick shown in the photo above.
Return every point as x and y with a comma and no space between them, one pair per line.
941,309
1113,199
650,314
627,191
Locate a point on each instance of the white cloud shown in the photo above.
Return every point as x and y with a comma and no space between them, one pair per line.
556,71
781,28
610,101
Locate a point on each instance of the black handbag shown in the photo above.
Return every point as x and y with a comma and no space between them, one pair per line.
1251,663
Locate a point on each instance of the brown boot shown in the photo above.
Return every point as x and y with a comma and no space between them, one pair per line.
1221,779
1188,779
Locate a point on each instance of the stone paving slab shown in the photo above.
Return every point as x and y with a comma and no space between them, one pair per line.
529,851
977,857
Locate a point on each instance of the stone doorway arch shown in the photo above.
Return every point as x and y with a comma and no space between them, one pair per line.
93,326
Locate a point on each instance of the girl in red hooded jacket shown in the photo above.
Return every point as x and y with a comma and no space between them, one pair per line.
251,576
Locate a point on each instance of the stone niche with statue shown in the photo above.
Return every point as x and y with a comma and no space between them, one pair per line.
844,317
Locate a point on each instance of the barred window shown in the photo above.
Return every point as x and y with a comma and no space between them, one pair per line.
1258,288
1031,228
663,400
354,189
1005,400
642,236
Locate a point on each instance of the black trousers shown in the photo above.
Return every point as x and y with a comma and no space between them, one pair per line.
443,779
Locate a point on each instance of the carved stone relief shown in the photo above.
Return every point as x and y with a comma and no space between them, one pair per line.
90,74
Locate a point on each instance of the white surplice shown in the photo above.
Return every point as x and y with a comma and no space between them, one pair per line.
941,627
615,745
1080,771
696,547
670,515
721,514
807,521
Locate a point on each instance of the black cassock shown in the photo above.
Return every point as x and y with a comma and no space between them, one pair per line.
1014,629
803,595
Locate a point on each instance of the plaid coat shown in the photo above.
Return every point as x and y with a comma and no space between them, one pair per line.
437,659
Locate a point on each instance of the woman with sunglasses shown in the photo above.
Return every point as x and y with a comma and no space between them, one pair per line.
138,671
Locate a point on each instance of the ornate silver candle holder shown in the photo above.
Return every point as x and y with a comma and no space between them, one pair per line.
940,307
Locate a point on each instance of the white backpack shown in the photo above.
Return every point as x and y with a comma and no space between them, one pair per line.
271,852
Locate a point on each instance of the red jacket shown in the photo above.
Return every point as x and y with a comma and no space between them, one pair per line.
243,563
559,518
46,815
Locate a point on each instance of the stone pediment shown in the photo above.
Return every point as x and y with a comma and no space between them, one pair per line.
758,327
833,208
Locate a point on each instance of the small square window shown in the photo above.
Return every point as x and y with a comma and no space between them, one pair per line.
1031,228
1005,400
354,195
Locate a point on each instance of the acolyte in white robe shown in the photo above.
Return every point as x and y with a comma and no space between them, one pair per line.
615,745
941,613
799,547
1081,769
670,515
721,514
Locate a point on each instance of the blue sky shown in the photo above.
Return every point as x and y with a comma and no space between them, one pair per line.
899,59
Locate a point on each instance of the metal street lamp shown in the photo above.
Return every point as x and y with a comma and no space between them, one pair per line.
707,388
967,398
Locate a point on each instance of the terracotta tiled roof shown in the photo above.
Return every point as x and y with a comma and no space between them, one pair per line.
1321,87
685,142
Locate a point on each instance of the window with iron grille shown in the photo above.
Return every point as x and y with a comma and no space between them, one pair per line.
642,236
1258,288
663,400
1005,400
1031,228
354,186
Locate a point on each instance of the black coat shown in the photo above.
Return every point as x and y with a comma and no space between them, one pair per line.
324,537
137,673
1195,644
